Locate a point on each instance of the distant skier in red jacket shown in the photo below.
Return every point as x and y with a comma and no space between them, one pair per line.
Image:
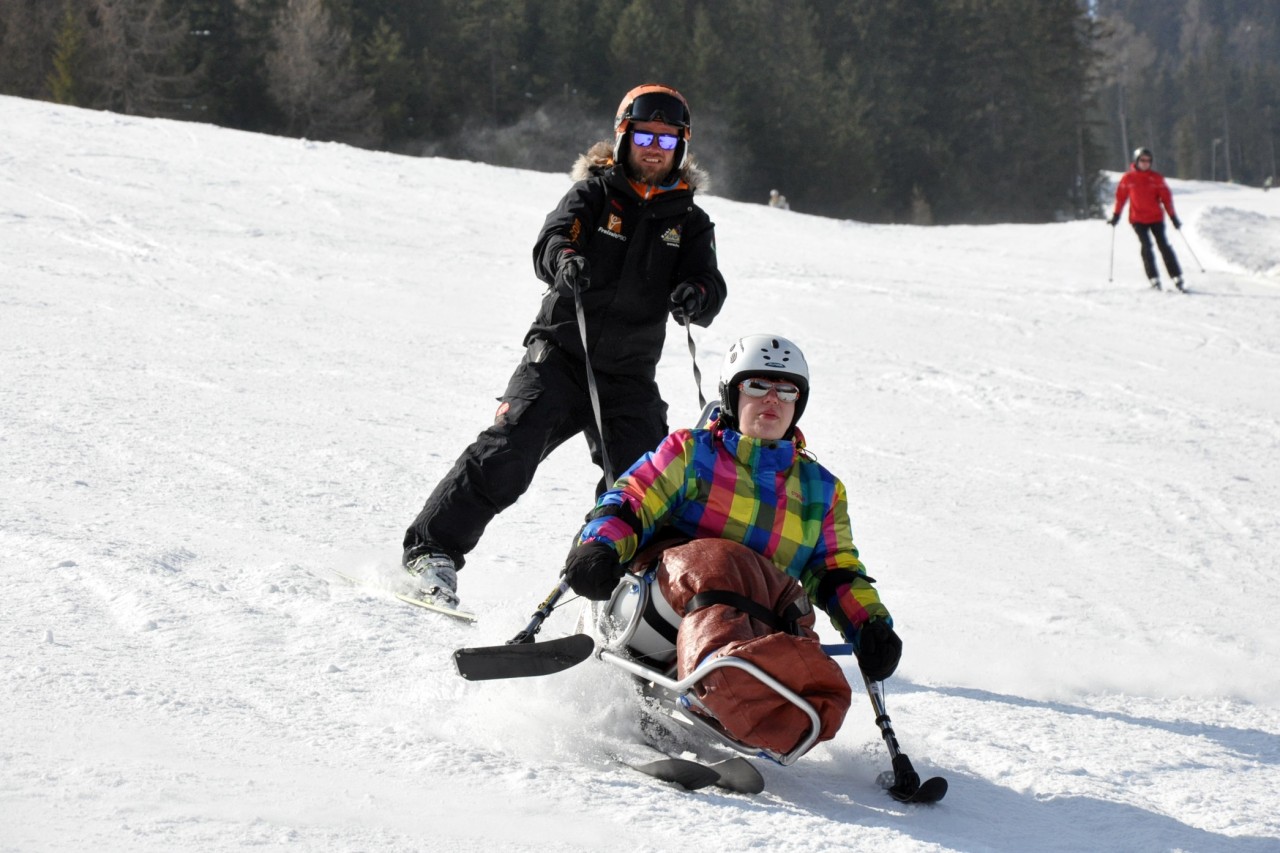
1148,196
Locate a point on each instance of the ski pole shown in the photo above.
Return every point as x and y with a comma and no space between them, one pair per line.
1112,269
591,385
693,354
1191,250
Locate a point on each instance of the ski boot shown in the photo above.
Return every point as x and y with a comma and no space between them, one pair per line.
437,578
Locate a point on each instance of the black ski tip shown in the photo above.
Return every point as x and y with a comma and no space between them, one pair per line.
733,774
689,775
929,791
738,775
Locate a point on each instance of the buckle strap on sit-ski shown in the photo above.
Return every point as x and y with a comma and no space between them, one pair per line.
787,621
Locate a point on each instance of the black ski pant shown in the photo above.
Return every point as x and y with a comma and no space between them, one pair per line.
546,403
1147,230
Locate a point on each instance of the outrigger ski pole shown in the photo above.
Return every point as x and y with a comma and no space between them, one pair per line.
521,655
905,785
540,615
549,603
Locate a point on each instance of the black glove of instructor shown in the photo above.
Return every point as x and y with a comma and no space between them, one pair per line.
1113,220
1177,223
879,650
688,301
574,273
593,570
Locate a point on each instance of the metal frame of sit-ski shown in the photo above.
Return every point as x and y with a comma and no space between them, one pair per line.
676,695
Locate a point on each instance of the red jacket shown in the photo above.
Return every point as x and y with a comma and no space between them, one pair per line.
1145,191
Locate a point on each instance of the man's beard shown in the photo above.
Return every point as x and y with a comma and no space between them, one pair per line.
646,174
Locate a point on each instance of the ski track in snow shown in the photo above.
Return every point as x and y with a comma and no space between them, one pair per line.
233,364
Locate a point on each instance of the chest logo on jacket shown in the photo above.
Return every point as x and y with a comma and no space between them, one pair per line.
672,237
613,227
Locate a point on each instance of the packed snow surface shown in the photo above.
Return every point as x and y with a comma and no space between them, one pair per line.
233,364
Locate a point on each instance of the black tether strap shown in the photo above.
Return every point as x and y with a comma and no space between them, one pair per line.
693,354
787,621
591,387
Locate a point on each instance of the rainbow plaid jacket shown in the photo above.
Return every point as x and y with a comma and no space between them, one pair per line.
771,496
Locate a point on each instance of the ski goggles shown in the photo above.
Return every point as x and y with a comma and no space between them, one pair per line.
787,392
659,106
643,139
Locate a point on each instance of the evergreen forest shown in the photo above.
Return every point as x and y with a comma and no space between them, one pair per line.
921,111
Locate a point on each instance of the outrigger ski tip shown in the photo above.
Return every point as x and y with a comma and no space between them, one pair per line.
520,660
930,791
913,791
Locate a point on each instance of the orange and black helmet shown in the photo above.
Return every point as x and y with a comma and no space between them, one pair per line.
653,102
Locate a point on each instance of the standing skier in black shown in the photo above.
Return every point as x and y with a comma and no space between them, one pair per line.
631,244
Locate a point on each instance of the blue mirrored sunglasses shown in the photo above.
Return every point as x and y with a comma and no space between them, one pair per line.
787,392
643,139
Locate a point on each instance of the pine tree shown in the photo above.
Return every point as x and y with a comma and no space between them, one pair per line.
387,69
311,75
64,80
29,29
134,59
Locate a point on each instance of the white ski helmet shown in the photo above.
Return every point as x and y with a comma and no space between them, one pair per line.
770,356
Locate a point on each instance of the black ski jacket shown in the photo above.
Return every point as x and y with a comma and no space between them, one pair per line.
638,249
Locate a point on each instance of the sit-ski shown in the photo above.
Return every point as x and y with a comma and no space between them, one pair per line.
635,631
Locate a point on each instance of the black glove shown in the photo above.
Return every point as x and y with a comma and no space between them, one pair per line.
879,649
1177,223
1113,220
593,570
688,301
574,273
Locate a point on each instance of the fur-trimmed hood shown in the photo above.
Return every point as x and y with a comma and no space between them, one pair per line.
600,157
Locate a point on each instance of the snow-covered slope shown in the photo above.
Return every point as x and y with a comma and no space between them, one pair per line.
233,363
